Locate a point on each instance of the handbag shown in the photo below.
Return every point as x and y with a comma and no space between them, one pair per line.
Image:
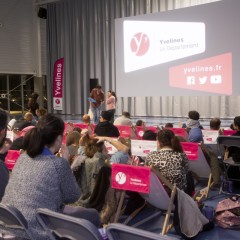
227,213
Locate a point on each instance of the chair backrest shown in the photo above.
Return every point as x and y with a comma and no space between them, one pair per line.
142,147
67,227
229,132
180,132
11,158
210,136
125,131
117,231
12,219
157,197
200,166
227,141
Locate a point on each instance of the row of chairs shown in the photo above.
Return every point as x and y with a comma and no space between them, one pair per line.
60,226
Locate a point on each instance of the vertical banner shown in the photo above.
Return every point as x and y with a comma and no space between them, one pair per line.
58,84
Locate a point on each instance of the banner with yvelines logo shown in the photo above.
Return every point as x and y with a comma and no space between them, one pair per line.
132,178
58,84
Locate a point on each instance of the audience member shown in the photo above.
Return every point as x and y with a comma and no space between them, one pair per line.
26,121
140,123
81,155
215,124
111,103
87,120
168,125
194,127
94,160
98,96
122,155
236,125
149,135
123,120
234,152
11,124
40,112
42,180
72,143
105,127
106,200
18,142
77,129
4,146
170,159
33,104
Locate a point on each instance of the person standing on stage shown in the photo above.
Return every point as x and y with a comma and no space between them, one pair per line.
98,98
111,103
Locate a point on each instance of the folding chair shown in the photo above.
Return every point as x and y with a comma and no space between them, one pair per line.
58,225
11,158
224,142
13,223
201,169
157,197
117,231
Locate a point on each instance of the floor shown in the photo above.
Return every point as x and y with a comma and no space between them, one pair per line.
156,223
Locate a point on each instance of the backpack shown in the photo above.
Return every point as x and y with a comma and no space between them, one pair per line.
227,213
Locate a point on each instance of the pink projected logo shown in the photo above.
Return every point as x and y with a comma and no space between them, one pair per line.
140,44
208,75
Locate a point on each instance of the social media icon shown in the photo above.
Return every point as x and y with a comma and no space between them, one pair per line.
202,80
216,79
190,80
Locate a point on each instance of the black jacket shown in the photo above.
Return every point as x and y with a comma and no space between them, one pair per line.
106,129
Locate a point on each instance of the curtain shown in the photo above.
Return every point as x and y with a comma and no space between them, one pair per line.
82,31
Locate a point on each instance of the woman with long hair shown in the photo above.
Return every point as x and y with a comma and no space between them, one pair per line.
40,179
170,159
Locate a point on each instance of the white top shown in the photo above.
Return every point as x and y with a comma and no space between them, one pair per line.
122,120
110,103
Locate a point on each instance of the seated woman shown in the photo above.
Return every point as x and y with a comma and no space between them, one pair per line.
170,159
42,180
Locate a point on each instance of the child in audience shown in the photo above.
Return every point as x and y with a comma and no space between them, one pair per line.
72,142
194,127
